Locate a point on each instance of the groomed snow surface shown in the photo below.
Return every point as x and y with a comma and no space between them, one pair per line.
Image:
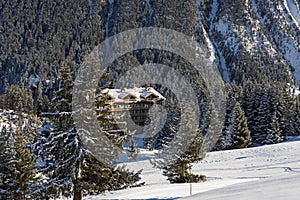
266,172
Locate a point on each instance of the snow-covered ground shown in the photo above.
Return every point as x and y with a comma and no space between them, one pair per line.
267,172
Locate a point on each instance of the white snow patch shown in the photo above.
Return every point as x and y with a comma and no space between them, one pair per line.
266,172
110,12
222,27
91,8
151,11
224,70
294,10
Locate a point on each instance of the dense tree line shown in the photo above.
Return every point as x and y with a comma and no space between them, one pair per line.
67,167
38,36
259,113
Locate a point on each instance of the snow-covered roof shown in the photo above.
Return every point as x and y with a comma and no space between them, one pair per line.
135,94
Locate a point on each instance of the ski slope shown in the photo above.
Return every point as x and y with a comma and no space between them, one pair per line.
267,172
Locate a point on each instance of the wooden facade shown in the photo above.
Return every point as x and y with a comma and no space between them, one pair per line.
134,103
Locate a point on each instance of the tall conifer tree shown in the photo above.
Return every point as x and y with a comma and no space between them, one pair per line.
71,170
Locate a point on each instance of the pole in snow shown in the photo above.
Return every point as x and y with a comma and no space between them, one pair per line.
191,182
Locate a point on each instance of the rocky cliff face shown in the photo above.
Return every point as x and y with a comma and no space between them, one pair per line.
253,39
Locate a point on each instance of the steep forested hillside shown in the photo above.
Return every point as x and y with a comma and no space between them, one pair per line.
254,43
38,36
249,39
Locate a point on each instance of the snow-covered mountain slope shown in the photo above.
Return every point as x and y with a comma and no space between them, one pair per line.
254,37
247,39
266,172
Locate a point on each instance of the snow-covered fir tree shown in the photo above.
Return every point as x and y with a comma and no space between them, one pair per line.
287,106
157,138
25,168
6,167
273,134
236,134
295,122
18,172
252,100
69,168
132,151
180,153
62,101
210,127
267,122
261,107
17,98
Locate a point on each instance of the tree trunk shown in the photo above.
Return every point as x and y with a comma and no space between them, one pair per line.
77,194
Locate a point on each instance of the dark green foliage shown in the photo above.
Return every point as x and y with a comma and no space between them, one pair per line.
262,108
25,171
18,99
69,168
18,177
7,180
177,170
273,133
236,134
62,101
270,111
187,147
295,122
39,36
241,138
177,167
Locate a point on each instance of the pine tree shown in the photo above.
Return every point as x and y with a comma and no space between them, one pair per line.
273,132
242,136
225,137
156,139
287,109
176,167
42,102
70,168
180,153
62,102
252,106
295,123
18,99
25,171
7,181
261,107
132,151
236,135
267,111
18,173
210,127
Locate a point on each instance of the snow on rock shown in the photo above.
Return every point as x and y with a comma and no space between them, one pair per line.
34,80
91,8
294,10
